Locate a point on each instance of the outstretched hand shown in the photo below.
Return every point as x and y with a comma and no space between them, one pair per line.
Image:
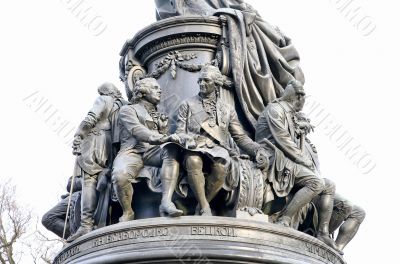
174,138
161,139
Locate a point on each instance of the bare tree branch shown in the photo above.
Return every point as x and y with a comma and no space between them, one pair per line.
15,221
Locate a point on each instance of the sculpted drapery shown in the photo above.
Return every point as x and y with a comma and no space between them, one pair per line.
262,59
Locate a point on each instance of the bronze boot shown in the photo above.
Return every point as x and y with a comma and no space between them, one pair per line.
324,217
215,181
169,179
88,206
300,199
197,183
125,194
346,233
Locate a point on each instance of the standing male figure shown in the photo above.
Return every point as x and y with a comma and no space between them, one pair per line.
93,145
142,130
210,124
282,124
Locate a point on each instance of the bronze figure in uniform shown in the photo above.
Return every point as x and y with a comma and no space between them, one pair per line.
142,130
345,216
208,125
283,125
93,146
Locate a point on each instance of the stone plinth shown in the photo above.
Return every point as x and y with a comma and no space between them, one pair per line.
194,239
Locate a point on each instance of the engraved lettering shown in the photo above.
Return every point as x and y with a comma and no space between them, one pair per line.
195,230
128,235
202,230
321,252
213,231
71,252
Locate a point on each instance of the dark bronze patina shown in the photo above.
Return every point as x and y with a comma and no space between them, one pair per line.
212,127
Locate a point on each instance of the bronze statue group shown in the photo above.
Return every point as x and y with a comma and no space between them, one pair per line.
118,140
208,134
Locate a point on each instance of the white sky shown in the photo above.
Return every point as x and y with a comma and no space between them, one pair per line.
46,49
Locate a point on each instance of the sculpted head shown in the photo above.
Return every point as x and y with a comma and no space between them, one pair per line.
209,80
109,89
294,94
147,89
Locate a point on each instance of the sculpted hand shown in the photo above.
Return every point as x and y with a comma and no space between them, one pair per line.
308,163
311,128
190,143
308,128
76,145
174,138
187,141
262,152
163,124
158,139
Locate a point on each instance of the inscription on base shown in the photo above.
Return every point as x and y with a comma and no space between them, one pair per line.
131,234
70,253
322,253
213,231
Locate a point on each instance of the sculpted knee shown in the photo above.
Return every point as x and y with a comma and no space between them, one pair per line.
120,176
358,213
317,185
194,163
46,220
219,170
343,207
329,187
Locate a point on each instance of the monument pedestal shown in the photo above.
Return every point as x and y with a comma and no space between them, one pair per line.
194,239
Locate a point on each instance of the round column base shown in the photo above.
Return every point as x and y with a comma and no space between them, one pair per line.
195,239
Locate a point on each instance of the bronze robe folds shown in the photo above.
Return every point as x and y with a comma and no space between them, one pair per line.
261,60
219,141
275,125
216,141
96,147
